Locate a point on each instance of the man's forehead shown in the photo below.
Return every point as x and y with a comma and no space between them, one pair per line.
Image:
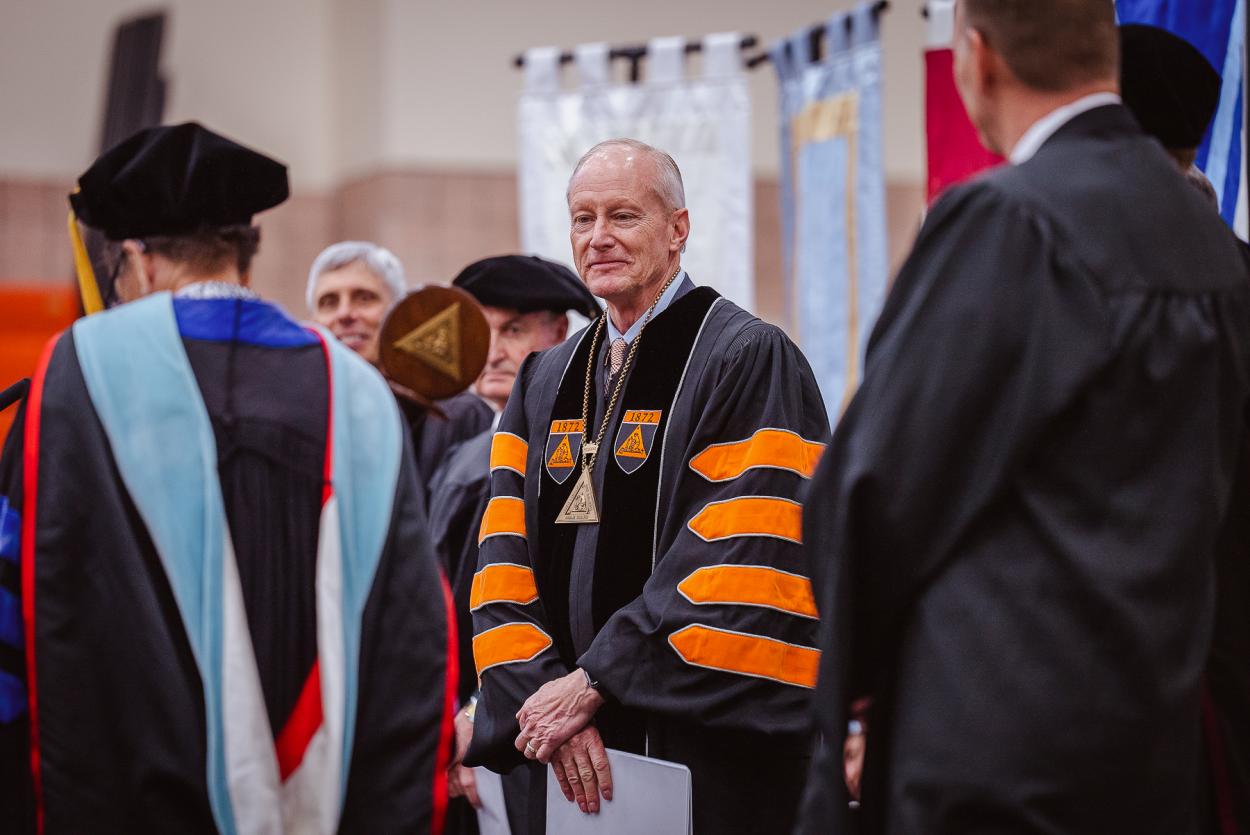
614,168
350,277
501,317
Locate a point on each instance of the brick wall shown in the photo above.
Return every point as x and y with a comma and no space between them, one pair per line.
435,220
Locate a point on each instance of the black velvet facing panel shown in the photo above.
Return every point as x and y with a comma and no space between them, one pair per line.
626,501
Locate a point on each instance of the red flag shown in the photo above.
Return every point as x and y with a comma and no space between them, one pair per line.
954,151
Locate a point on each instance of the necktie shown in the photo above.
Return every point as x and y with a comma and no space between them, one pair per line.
616,358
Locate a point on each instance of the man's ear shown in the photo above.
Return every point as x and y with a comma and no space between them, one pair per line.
987,64
680,230
140,265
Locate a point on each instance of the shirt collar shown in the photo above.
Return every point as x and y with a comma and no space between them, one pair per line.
665,300
215,290
1044,128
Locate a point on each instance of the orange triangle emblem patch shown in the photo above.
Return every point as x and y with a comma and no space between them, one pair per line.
563,456
634,446
635,438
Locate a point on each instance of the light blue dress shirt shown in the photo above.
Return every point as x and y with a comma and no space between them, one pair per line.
665,301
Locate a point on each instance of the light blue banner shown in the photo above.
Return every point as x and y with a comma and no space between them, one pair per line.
835,256
1218,29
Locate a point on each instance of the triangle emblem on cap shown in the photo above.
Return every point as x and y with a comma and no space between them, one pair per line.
436,342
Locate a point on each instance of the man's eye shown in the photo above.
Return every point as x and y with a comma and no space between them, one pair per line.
327,302
623,216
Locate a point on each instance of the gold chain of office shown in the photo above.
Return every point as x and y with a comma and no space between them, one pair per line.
590,449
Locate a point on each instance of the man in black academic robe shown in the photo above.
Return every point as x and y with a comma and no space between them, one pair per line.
1015,523
526,300
232,619
673,616
1174,92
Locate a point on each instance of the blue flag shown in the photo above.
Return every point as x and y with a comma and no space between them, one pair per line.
833,196
1218,29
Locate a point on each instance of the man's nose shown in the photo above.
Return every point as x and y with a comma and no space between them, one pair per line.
495,353
344,311
601,236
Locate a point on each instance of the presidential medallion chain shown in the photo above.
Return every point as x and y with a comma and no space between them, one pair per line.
581,508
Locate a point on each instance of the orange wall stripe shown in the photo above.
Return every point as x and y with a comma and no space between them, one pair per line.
750,516
504,516
503,583
751,585
748,655
507,452
511,643
779,449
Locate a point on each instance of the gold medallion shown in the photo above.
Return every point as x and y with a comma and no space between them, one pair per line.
580,508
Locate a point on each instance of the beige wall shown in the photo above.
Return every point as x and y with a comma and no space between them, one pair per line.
343,88
457,106
257,70
396,117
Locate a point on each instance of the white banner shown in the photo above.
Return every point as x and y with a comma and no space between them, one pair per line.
703,122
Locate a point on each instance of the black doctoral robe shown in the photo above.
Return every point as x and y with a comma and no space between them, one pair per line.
689,601
1014,527
458,496
459,493
464,416
1224,792
121,740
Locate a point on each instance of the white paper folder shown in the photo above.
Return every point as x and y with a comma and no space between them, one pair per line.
492,816
648,796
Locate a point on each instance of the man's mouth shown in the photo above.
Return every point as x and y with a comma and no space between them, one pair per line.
353,340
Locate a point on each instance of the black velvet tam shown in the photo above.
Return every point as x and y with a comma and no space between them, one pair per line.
1168,84
175,180
526,283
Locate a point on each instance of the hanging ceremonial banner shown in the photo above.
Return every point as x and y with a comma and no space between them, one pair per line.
954,152
833,197
563,445
703,122
1218,29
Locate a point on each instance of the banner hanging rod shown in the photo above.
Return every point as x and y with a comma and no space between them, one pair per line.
816,36
635,54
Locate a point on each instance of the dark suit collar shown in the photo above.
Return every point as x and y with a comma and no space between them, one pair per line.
1109,120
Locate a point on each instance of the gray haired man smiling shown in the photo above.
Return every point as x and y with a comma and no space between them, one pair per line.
641,583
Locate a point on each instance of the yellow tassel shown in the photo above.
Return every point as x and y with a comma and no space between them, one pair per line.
87,286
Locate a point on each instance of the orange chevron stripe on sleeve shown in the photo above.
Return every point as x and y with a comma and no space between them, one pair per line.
504,516
749,516
748,655
503,583
512,643
507,452
776,448
751,585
